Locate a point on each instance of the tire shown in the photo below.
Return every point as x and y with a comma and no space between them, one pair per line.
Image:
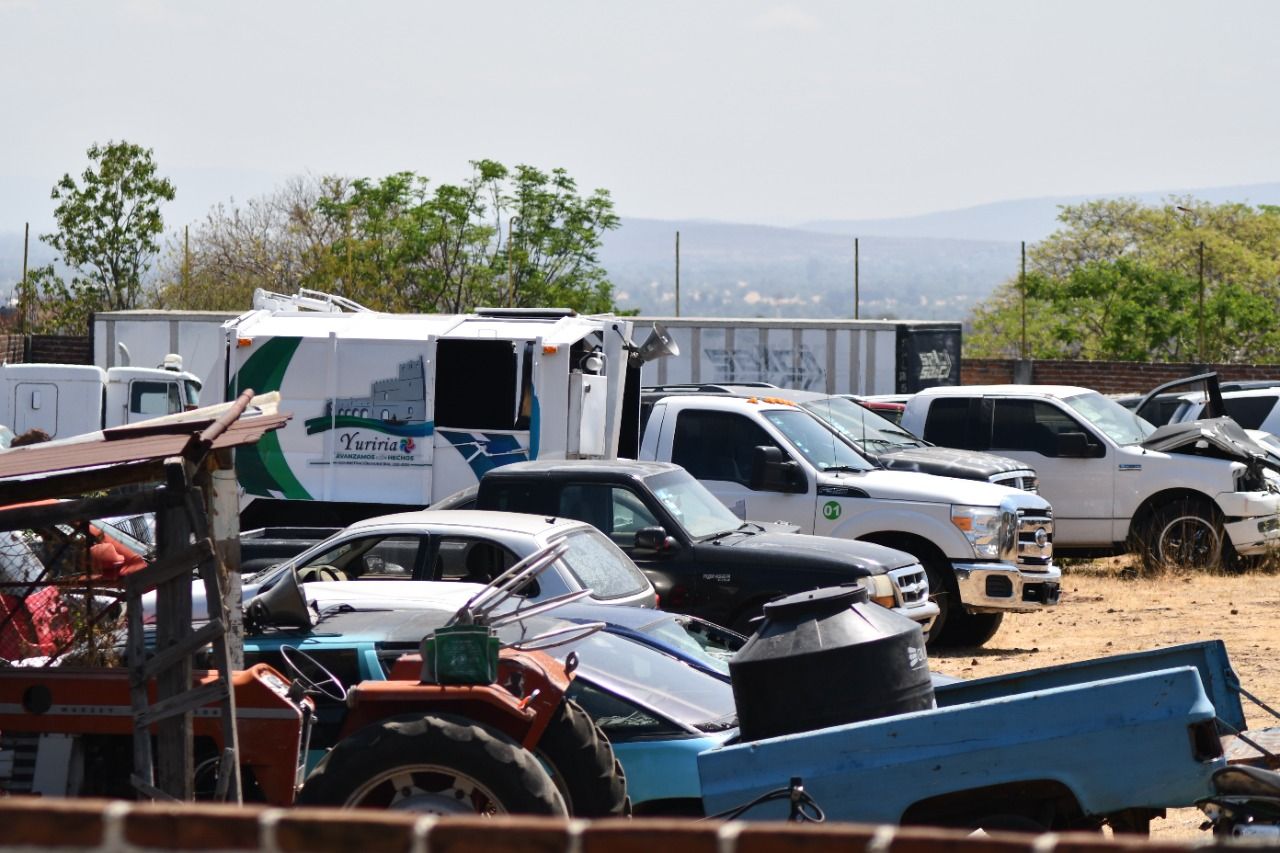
941,593
971,629
583,765
435,764
1183,534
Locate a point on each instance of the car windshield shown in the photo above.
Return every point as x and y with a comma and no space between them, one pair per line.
821,445
1118,423
601,566
860,425
692,504
643,675
709,644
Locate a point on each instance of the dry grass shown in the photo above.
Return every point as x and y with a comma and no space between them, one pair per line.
1105,610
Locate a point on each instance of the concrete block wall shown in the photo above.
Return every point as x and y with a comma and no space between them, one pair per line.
98,826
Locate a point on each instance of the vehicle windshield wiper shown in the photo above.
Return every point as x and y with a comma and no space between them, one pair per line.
747,525
848,468
723,533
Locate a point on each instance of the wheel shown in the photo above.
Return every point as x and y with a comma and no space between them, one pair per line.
436,764
314,677
583,765
1184,534
971,629
940,593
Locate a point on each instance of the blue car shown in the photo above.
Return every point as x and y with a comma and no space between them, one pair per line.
656,697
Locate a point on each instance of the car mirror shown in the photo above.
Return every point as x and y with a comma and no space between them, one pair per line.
772,471
653,540
1076,445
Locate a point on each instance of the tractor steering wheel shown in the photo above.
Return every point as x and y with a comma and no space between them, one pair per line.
326,684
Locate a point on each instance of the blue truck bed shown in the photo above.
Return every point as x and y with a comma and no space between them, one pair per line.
1129,732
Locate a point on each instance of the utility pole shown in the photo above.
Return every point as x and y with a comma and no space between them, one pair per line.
511,276
857,299
677,273
25,324
186,259
1022,287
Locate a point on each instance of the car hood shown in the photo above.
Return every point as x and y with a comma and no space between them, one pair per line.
838,553
1223,435
949,462
893,485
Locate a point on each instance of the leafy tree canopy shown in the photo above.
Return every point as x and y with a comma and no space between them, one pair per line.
1121,281
108,228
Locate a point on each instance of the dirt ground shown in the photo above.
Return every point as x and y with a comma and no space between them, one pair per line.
1104,612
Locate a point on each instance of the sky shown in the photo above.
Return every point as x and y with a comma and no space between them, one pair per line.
763,112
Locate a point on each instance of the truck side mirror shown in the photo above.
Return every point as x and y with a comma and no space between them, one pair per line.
653,540
1076,445
772,471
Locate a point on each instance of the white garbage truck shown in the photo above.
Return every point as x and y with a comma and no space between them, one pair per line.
396,410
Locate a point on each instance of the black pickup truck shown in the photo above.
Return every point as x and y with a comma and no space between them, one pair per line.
702,559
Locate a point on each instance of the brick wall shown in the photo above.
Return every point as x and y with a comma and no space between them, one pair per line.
34,824
60,349
1108,377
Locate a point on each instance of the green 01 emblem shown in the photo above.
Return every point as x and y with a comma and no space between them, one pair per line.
831,510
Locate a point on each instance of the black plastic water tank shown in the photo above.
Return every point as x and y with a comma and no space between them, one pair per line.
828,657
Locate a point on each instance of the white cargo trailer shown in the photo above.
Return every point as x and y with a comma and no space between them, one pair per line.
832,356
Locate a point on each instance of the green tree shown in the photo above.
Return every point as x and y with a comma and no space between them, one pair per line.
1121,281
109,223
55,306
518,237
277,242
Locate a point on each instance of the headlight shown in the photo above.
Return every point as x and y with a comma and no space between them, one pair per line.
880,589
981,526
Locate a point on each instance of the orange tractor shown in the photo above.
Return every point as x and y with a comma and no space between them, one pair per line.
484,730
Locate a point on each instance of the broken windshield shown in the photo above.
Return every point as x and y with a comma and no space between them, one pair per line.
1118,423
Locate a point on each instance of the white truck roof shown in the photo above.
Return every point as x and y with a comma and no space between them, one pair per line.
372,325
1004,390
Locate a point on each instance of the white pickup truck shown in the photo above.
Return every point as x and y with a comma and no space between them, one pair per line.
987,549
1194,494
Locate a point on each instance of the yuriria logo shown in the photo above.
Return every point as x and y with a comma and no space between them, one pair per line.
407,445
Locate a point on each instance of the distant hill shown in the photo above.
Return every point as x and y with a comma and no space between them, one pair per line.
1024,219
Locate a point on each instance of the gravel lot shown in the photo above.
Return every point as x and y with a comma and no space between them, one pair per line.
1105,612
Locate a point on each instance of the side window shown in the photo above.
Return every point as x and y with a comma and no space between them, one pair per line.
1250,412
1030,425
629,515
470,560
154,398
950,424
717,445
616,512
369,558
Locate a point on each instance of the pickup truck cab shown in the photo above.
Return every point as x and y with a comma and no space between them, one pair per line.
1194,493
702,559
987,549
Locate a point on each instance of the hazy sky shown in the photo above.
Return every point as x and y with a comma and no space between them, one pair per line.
746,111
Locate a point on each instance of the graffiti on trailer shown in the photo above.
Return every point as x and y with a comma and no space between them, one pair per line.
935,366
786,367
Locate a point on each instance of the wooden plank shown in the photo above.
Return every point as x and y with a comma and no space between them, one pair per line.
142,786
175,755
75,483
165,658
24,517
143,770
168,568
183,703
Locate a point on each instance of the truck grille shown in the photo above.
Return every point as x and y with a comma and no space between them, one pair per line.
1027,482
1035,539
912,584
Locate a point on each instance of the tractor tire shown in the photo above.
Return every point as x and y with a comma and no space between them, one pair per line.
583,765
434,764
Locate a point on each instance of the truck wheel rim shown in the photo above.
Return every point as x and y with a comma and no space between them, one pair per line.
1189,540
426,789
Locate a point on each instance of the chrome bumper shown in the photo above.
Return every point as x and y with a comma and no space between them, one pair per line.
990,587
